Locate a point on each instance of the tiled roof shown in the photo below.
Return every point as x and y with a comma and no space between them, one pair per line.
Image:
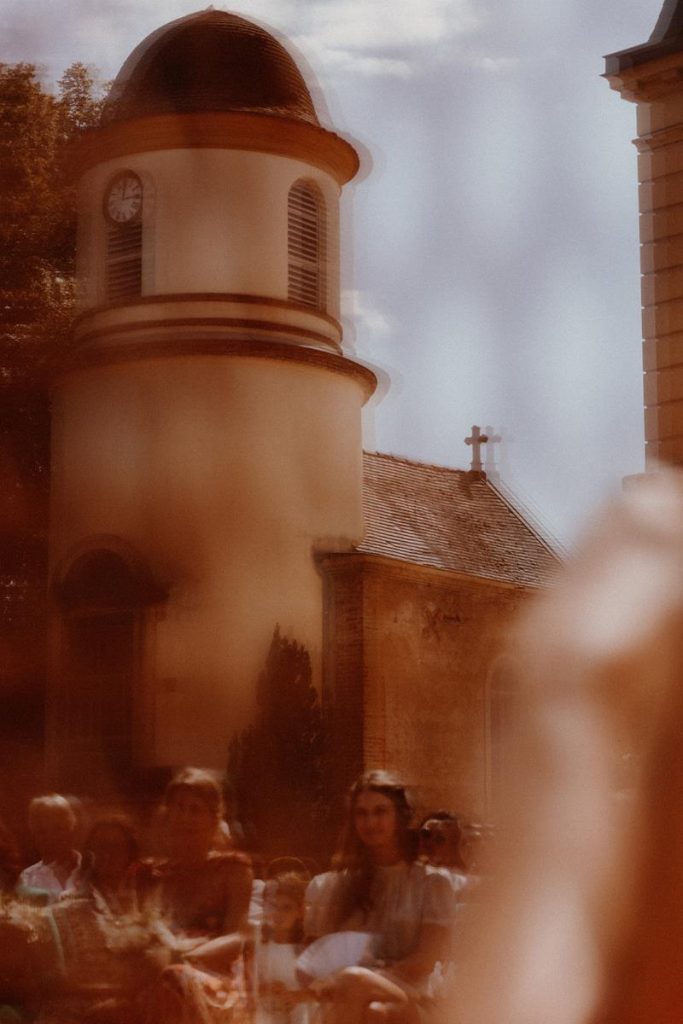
666,38
449,519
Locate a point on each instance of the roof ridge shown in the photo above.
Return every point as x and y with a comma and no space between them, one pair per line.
529,519
417,462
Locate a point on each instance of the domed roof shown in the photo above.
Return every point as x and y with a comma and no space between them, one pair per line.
209,61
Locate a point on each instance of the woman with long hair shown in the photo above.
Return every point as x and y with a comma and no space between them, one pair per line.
382,889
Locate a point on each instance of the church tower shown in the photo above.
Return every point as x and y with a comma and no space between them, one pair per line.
651,75
207,424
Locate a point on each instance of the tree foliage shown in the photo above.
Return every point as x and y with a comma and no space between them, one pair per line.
37,256
277,764
37,210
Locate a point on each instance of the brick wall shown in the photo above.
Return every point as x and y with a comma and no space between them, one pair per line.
409,653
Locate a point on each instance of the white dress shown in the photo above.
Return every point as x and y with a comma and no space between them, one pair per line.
276,962
404,897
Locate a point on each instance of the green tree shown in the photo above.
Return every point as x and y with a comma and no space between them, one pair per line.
37,253
277,764
37,211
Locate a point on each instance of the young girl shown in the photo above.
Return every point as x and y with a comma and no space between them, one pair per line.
281,1000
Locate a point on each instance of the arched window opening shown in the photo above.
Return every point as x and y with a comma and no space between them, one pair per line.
123,202
103,603
306,245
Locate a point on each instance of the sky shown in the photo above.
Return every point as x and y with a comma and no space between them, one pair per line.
490,246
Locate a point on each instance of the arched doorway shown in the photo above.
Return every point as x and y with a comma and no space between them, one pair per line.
104,603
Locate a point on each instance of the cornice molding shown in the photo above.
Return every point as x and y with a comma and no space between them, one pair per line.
91,355
259,133
233,298
658,139
197,328
646,82
366,564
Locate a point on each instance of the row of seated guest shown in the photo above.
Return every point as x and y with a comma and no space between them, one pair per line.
131,941
162,941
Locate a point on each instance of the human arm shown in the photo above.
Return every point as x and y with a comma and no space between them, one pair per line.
236,895
432,945
216,954
431,903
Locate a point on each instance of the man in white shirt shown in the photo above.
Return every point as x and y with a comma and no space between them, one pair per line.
52,822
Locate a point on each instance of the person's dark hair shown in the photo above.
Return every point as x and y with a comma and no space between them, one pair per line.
114,820
203,783
292,884
440,816
353,858
456,828
123,824
287,866
353,853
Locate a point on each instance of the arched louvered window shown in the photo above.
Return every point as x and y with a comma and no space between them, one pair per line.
123,212
306,245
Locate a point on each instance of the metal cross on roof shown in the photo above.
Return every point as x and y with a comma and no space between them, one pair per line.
477,439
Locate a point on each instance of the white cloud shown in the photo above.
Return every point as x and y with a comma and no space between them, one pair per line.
494,65
385,37
389,38
367,317
345,61
377,25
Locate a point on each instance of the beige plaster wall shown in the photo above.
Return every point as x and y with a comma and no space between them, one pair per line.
214,220
223,474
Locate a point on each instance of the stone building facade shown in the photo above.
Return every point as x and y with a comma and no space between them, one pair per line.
651,76
416,624
208,478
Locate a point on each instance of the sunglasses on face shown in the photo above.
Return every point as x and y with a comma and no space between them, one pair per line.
427,836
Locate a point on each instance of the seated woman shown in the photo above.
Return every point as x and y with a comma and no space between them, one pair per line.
101,950
112,870
381,888
87,956
203,895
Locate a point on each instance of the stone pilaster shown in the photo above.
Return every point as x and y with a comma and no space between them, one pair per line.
656,85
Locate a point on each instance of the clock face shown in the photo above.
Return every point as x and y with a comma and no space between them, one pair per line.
123,199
